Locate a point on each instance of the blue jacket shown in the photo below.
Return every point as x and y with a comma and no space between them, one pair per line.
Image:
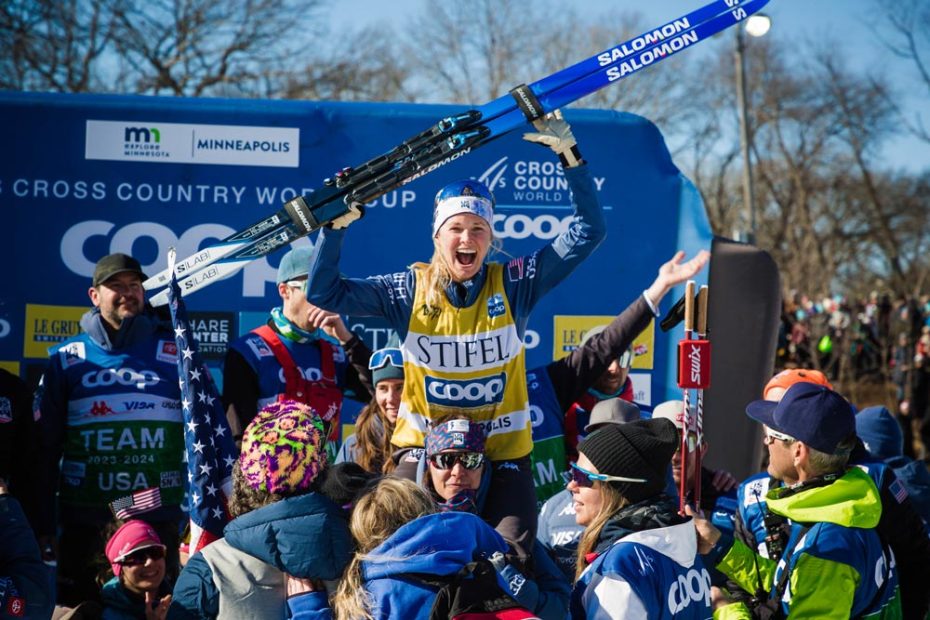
838,566
120,604
24,579
882,436
654,573
102,403
392,295
437,544
306,536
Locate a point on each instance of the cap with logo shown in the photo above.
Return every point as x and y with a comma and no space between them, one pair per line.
113,264
811,413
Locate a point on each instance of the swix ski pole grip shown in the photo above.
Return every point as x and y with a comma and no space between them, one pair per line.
705,382
689,328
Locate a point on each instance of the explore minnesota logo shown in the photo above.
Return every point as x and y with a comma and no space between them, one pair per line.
232,145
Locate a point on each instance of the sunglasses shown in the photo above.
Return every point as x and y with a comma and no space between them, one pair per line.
771,436
137,558
298,284
584,478
383,357
447,460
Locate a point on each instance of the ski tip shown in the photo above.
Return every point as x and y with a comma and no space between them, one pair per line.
159,299
157,281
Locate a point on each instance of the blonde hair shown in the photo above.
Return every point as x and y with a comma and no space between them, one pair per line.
612,502
392,503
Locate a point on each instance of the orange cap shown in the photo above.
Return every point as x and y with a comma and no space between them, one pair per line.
786,378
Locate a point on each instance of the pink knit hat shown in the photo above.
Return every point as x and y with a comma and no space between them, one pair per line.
132,536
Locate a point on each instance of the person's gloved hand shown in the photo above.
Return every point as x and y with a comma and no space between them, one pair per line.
512,577
355,212
554,132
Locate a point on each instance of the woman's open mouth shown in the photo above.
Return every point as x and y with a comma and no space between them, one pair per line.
466,257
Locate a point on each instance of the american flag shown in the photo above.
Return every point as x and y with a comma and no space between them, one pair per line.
137,503
898,489
211,452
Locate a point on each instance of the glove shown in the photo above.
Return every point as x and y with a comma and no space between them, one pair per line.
355,212
555,133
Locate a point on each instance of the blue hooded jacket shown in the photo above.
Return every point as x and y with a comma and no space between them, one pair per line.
882,436
437,544
305,536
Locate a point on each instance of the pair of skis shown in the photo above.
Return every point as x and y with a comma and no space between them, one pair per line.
448,138
693,374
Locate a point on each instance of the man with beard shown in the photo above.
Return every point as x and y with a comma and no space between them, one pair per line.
109,417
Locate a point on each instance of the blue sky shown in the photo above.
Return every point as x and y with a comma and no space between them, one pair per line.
845,22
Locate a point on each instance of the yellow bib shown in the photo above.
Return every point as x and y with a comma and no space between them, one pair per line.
466,358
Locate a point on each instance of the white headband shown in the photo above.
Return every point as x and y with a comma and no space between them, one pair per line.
476,205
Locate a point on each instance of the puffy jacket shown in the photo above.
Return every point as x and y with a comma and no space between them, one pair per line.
305,536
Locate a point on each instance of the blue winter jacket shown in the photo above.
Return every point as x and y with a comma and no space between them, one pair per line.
437,544
305,536
654,573
882,436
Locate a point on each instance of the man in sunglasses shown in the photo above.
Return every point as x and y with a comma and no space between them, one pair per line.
832,563
301,353
109,418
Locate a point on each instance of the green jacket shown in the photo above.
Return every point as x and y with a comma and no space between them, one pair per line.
838,568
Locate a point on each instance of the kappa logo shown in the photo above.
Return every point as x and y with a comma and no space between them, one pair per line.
471,393
100,408
693,587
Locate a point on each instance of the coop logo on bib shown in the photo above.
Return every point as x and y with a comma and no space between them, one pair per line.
470,393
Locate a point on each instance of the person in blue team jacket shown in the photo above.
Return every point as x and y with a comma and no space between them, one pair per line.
637,558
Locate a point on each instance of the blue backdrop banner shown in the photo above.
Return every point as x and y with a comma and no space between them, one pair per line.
83,176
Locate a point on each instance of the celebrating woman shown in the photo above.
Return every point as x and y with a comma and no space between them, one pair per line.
462,320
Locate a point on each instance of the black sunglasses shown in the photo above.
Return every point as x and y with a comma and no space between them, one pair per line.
447,460
137,558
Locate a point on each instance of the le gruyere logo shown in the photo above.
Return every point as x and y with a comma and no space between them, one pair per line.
47,326
569,331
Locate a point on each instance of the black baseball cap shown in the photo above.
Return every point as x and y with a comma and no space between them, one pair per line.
112,264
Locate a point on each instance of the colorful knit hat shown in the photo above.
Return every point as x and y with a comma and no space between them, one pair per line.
282,448
458,434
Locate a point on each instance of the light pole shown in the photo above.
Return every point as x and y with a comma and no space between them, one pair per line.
756,26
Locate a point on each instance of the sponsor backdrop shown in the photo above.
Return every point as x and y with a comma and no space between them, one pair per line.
90,175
